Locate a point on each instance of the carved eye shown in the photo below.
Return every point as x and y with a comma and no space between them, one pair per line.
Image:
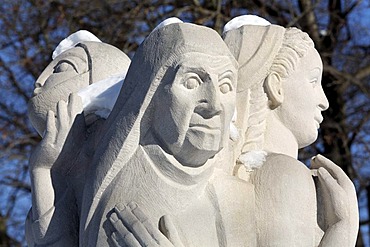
192,82
226,86
63,67
314,82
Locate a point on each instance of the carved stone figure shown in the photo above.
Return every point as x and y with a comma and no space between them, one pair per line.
279,105
158,155
86,63
59,164
200,148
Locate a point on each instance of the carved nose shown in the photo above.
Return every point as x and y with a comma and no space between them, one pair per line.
37,84
210,105
323,103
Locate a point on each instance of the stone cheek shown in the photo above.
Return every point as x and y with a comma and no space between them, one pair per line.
162,170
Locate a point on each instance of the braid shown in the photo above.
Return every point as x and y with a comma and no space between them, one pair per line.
294,46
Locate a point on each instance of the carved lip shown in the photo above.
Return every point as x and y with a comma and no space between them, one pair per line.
319,120
201,123
204,126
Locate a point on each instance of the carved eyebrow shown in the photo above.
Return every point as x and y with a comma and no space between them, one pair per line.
69,61
74,61
194,69
226,73
316,69
222,65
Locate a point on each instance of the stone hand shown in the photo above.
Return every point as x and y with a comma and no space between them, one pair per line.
338,192
57,129
132,229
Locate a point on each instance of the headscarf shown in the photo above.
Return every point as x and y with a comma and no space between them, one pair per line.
127,122
255,48
97,56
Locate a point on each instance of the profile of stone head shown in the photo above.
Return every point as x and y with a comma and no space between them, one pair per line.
280,101
171,118
281,70
53,111
69,72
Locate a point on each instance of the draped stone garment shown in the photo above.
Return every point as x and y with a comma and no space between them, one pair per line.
116,159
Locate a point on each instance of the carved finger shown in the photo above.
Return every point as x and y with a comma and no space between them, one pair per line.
122,236
62,119
50,131
76,119
74,106
328,181
343,180
135,226
338,197
167,227
152,230
114,240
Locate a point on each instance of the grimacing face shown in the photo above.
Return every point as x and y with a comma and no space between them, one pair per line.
304,99
194,106
67,74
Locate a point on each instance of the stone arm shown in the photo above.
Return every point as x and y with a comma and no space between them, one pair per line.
49,192
57,227
132,228
337,210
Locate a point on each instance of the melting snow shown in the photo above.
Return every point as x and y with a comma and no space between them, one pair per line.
242,20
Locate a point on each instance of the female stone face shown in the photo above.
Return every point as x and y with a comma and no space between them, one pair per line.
67,74
304,99
193,108
62,70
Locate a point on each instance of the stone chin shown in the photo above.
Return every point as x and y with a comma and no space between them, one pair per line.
46,100
204,139
199,146
308,137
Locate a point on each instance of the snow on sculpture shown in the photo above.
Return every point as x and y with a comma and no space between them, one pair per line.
195,146
159,153
279,104
58,165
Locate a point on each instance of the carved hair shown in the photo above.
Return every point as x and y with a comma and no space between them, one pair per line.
295,45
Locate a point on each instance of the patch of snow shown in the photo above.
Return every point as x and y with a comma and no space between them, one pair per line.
100,97
234,133
242,20
253,160
72,40
168,21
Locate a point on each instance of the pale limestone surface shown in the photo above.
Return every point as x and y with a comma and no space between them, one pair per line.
279,105
57,176
162,170
88,62
161,141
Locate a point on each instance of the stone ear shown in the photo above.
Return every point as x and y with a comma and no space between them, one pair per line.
274,90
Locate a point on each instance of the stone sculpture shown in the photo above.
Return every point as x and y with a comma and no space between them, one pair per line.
280,76
200,148
168,126
58,176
